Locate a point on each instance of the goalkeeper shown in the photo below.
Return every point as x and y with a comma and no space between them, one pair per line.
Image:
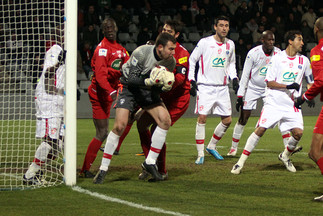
140,89
49,101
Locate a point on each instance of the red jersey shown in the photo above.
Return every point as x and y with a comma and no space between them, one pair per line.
317,70
181,84
106,63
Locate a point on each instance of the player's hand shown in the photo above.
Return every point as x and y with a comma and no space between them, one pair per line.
310,103
298,102
239,104
194,88
235,85
295,86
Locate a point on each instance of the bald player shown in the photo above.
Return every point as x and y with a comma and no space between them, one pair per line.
316,150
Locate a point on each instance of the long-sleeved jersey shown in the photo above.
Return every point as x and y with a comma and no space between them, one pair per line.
141,62
286,70
106,63
255,69
49,105
317,68
217,62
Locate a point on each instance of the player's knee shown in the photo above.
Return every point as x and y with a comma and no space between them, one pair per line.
298,134
119,128
243,121
227,121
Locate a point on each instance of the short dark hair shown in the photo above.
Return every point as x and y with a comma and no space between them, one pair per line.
174,24
222,17
106,20
291,35
163,39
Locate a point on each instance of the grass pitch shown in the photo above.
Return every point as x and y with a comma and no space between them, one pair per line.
264,187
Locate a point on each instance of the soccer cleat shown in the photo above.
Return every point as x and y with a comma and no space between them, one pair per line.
232,152
35,180
153,170
199,160
215,153
99,178
236,169
318,199
297,149
140,154
287,162
143,175
164,176
116,152
86,174
102,148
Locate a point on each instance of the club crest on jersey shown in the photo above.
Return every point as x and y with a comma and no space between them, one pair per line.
300,67
218,62
53,131
201,107
227,52
289,76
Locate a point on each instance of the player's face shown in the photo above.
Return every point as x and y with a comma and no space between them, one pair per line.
166,52
168,30
110,30
222,28
298,43
269,42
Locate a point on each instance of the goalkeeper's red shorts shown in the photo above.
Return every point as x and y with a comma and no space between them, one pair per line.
177,106
319,123
101,103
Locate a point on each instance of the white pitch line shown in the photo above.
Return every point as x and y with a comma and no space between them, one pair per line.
124,202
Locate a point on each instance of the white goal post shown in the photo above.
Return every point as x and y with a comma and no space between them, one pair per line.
28,29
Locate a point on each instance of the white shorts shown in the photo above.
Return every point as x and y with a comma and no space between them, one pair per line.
213,100
270,117
251,97
52,127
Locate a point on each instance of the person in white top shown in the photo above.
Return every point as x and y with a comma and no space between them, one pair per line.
284,79
216,58
252,85
49,99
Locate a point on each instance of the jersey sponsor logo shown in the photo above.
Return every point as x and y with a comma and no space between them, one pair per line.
103,52
116,64
289,76
263,71
134,61
315,58
218,62
227,52
182,60
300,67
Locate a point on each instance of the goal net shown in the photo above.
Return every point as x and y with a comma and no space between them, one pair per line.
28,29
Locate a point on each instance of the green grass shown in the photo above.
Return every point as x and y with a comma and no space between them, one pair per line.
264,187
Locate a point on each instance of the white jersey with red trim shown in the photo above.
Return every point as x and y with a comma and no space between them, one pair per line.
255,70
51,105
217,62
286,70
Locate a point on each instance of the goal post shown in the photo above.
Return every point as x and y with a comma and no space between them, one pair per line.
28,29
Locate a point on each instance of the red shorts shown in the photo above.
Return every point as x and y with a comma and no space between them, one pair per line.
101,103
177,107
319,123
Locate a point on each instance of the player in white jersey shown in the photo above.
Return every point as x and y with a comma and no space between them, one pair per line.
216,58
252,85
284,79
49,101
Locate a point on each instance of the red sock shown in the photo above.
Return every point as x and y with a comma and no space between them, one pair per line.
145,140
123,136
92,151
161,160
320,164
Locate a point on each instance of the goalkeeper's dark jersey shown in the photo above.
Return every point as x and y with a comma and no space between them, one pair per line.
140,64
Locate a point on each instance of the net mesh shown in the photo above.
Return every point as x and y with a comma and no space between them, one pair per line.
28,28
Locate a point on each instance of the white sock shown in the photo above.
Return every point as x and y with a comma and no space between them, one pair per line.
252,142
157,141
237,133
219,131
292,143
199,138
285,136
110,146
40,157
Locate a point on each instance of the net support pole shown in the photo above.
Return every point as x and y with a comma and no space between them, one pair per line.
70,88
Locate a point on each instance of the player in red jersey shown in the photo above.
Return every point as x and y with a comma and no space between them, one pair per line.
107,60
316,151
176,100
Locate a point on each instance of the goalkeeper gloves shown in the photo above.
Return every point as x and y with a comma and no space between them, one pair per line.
235,85
298,102
239,103
295,86
168,80
310,103
194,88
